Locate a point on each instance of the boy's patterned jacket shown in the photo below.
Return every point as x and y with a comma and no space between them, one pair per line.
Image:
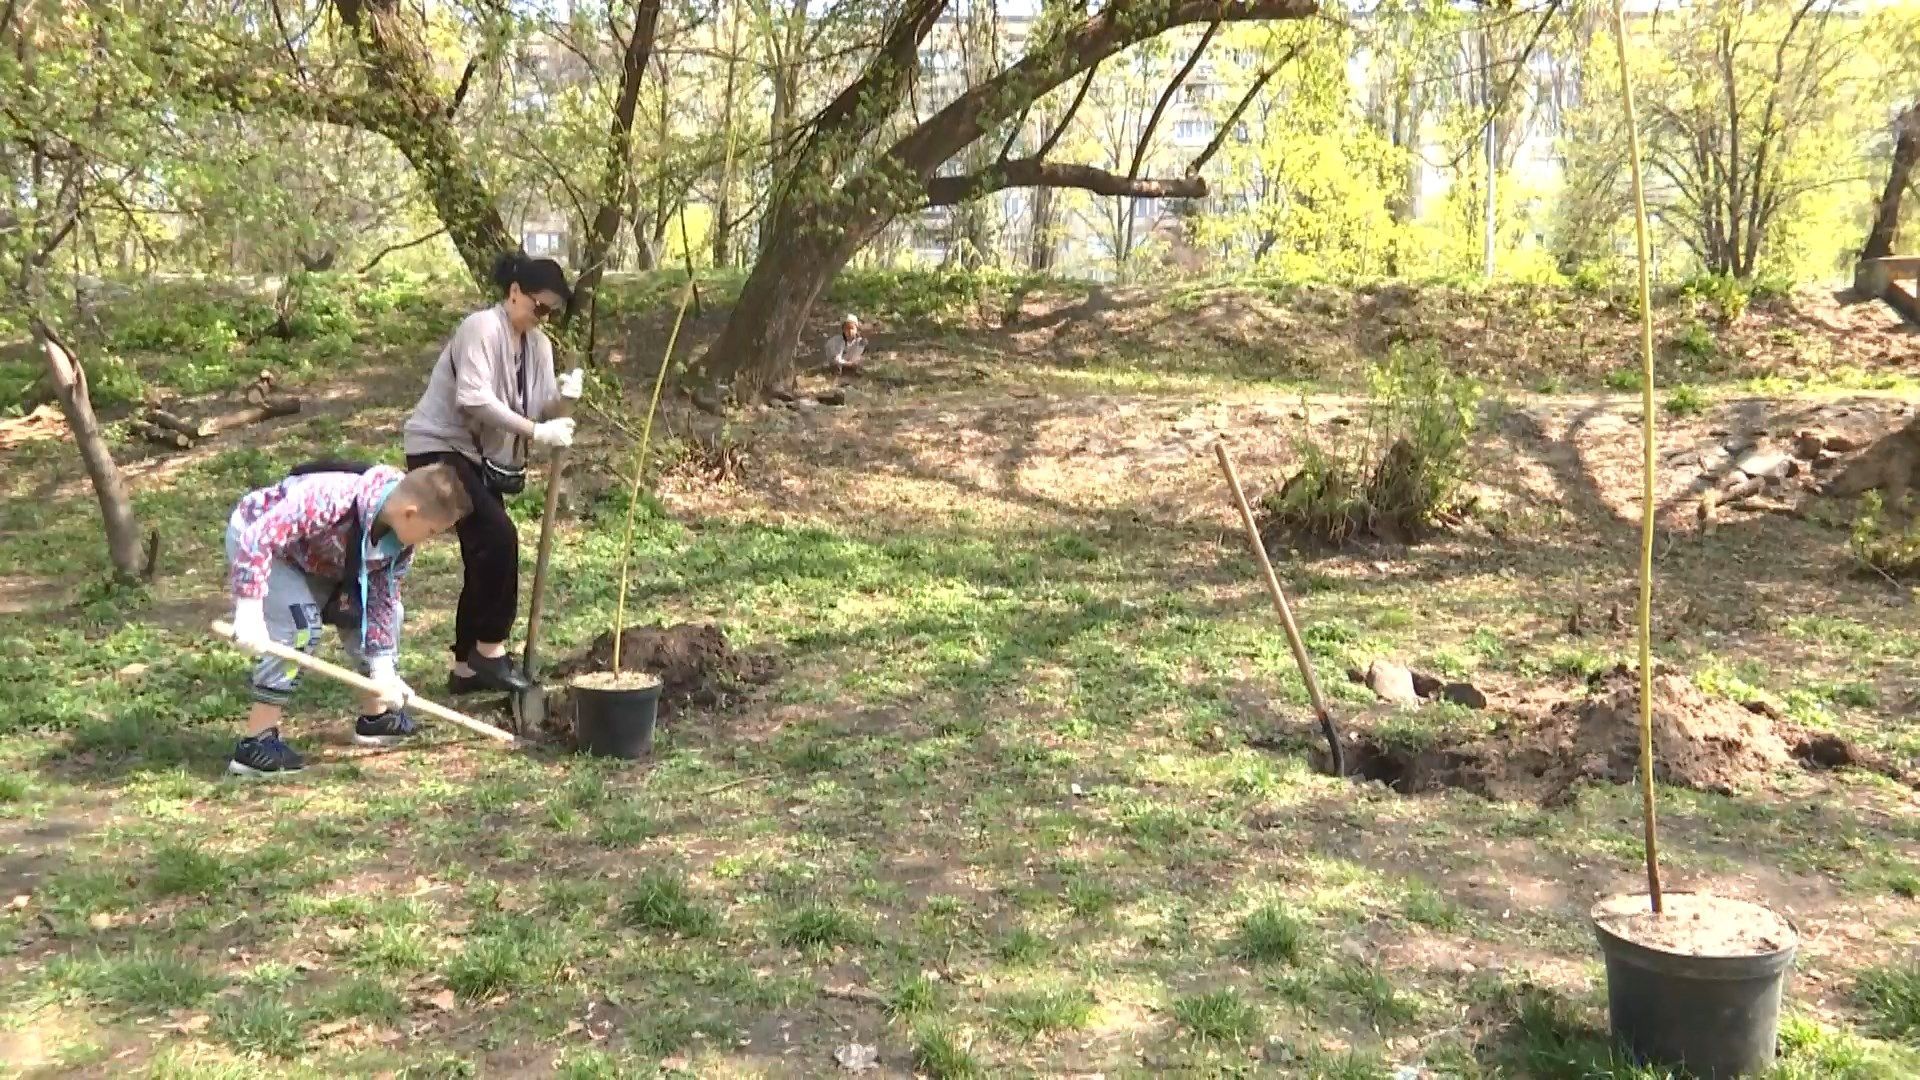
305,520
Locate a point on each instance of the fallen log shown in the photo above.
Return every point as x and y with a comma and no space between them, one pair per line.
191,429
164,436
252,414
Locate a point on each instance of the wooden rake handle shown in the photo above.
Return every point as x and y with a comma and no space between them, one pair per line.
361,682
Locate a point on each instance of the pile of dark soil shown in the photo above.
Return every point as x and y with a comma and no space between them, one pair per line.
1699,742
696,666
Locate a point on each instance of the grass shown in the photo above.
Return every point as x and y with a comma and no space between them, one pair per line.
1271,934
661,901
817,925
260,1026
940,1054
1891,996
1222,1015
142,980
1014,789
1032,1014
185,870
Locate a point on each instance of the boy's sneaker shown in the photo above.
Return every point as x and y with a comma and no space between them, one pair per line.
264,755
390,728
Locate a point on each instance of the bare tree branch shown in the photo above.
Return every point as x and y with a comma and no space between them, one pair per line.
392,249
1066,118
1166,96
1233,118
1032,172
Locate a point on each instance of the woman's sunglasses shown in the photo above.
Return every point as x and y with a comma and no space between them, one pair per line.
541,309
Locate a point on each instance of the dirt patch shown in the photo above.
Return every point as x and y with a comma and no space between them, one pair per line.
1696,924
696,666
1699,742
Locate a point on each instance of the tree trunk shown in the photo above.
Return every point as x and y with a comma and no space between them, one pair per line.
1041,241
130,561
408,110
755,352
1885,233
616,166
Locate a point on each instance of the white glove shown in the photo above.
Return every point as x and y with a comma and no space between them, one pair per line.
557,434
392,692
572,383
250,624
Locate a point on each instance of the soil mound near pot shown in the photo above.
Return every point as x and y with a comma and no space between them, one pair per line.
693,661
1699,742
1709,744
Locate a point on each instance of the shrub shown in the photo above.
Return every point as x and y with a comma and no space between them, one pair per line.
1697,341
1882,545
1686,401
1397,473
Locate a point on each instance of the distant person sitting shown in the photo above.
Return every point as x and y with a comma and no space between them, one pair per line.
846,348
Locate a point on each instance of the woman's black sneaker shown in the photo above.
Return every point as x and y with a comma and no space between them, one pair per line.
489,673
390,728
264,755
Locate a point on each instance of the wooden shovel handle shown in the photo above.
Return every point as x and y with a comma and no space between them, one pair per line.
361,682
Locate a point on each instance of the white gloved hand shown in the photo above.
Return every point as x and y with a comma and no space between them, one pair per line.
557,434
572,383
250,624
393,692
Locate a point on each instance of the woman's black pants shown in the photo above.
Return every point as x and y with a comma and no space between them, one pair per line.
490,554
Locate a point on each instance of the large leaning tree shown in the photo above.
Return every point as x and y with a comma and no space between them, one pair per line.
837,177
845,180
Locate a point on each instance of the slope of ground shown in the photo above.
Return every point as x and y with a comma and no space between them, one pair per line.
1030,792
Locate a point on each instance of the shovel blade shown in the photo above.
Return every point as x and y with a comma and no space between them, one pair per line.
530,710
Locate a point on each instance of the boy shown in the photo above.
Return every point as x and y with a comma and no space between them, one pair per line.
846,349
329,544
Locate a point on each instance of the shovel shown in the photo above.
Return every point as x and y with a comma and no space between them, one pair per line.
360,682
530,705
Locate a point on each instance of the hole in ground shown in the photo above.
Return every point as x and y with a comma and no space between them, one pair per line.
1414,771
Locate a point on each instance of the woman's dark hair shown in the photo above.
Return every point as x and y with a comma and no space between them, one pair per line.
532,275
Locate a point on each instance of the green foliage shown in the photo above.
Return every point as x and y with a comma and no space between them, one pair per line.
1399,474
1696,340
1881,544
1685,400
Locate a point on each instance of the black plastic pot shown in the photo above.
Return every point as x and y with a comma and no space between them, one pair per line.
616,723
1713,1016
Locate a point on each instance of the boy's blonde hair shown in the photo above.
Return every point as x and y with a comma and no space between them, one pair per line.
436,491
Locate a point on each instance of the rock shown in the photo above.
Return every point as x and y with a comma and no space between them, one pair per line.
132,672
1391,683
1807,445
1827,460
857,1057
836,396
1427,686
1841,444
1764,463
1464,694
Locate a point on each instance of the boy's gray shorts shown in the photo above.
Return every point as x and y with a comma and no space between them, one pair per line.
293,619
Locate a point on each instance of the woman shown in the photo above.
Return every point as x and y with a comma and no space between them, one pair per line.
492,395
